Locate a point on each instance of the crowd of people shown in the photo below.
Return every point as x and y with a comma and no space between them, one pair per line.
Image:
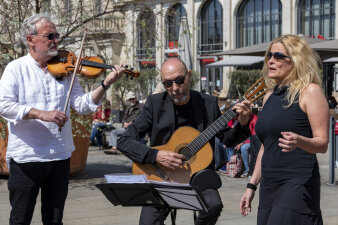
291,128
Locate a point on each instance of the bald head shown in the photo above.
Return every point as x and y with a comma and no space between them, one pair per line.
174,64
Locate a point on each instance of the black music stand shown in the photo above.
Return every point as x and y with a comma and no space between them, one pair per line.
154,194
126,194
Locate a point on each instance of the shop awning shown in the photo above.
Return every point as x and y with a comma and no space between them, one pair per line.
260,49
237,61
331,60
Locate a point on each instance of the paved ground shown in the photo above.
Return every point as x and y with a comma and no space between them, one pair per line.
87,205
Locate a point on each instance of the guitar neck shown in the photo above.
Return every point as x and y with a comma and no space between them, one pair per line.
96,64
208,133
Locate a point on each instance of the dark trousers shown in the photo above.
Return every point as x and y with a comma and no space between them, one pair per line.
24,183
156,215
97,134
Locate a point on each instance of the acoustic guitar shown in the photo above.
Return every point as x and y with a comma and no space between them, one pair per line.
194,145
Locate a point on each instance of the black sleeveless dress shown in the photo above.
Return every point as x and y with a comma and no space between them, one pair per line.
290,183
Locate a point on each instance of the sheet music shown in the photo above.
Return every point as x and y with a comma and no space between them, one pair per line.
165,183
127,179
131,178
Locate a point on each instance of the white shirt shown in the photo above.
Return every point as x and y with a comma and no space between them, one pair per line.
23,86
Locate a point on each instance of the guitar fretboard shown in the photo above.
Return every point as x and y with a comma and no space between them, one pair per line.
193,147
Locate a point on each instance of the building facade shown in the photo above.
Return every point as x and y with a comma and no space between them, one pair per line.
143,33
219,25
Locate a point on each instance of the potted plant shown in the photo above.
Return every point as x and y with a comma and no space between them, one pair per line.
3,146
81,128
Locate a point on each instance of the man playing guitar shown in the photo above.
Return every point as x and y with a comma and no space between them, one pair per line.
161,116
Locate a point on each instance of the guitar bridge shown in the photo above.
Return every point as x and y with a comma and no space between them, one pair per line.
161,173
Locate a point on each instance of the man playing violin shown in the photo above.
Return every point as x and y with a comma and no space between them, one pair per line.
164,113
32,101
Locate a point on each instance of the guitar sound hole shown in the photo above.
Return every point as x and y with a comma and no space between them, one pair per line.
186,152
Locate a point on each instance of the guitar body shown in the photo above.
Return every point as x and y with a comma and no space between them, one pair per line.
180,139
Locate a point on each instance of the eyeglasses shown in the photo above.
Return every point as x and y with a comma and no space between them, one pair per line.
131,99
50,36
278,56
169,83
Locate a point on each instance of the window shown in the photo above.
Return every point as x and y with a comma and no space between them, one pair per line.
98,6
211,28
46,7
317,17
173,24
68,6
146,35
258,21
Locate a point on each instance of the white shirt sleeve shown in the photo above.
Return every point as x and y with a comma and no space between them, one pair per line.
80,102
10,108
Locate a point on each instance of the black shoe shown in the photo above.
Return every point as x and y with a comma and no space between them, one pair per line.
112,151
101,148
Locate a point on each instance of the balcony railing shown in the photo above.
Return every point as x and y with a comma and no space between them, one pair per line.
204,49
109,24
146,53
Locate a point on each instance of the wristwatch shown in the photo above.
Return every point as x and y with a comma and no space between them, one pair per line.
251,186
104,86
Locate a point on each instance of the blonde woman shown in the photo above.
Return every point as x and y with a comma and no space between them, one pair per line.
293,126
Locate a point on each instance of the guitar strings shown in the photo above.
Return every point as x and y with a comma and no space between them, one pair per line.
206,135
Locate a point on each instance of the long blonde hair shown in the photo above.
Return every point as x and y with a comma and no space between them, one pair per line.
305,62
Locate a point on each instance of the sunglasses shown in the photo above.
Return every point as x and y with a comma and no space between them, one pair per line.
278,56
50,36
169,83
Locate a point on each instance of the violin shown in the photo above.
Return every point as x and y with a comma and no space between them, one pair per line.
90,67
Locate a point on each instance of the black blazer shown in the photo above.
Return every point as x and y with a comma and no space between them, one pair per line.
157,118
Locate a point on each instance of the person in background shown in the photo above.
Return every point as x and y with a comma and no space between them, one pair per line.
293,126
245,146
227,151
332,102
100,119
32,101
165,112
132,111
215,94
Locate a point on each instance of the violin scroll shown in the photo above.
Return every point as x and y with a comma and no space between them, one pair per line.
130,72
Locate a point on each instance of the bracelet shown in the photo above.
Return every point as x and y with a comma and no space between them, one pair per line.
251,186
104,86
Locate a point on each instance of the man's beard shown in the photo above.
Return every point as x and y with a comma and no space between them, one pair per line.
180,100
53,53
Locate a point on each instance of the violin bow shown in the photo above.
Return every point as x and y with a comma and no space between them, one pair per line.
74,73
